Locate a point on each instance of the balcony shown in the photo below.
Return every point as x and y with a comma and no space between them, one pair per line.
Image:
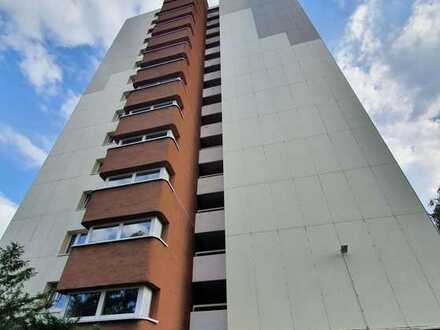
211,135
140,156
208,92
174,90
153,57
209,268
209,155
213,23
212,30
212,13
178,68
209,320
212,113
210,130
212,40
183,35
210,184
212,52
212,75
165,27
168,117
214,61
210,220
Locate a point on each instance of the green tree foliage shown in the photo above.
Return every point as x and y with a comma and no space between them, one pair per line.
435,203
18,309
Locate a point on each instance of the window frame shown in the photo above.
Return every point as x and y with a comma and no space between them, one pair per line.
145,138
66,247
162,174
156,230
153,107
142,309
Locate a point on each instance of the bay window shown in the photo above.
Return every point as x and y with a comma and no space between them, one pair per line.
147,227
110,304
136,177
145,138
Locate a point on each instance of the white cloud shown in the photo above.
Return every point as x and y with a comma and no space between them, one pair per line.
69,104
15,142
28,27
423,27
401,102
7,211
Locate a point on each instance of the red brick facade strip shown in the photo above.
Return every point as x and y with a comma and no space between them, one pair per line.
185,21
184,35
173,90
175,5
166,268
140,156
168,70
171,15
130,201
166,54
166,118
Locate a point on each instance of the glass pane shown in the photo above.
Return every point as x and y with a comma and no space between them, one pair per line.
81,238
58,301
83,304
104,234
156,135
147,175
136,229
131,140
138,110
163,104
119,180
120,301
71,242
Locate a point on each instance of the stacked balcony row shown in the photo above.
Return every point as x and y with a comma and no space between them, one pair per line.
140,224
209,277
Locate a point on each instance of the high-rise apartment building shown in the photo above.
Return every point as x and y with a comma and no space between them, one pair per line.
220,173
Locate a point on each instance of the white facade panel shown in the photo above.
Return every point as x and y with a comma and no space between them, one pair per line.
305,172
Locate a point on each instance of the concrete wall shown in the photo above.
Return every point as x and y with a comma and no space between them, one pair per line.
49,209
305,172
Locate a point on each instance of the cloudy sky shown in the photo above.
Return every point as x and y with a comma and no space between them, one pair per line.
49,49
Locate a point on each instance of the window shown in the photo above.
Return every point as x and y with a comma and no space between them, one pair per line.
96,166
119,180
159,82
147,227
57,300
83,304
146,137
136,229
104,234
110,304
120,301
84,200
156,106
136,177
74,239
108,139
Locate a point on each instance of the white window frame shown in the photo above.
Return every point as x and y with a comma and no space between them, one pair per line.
157,106
161,63
156,228
77,234
162,175
146,138
142,309
156,83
